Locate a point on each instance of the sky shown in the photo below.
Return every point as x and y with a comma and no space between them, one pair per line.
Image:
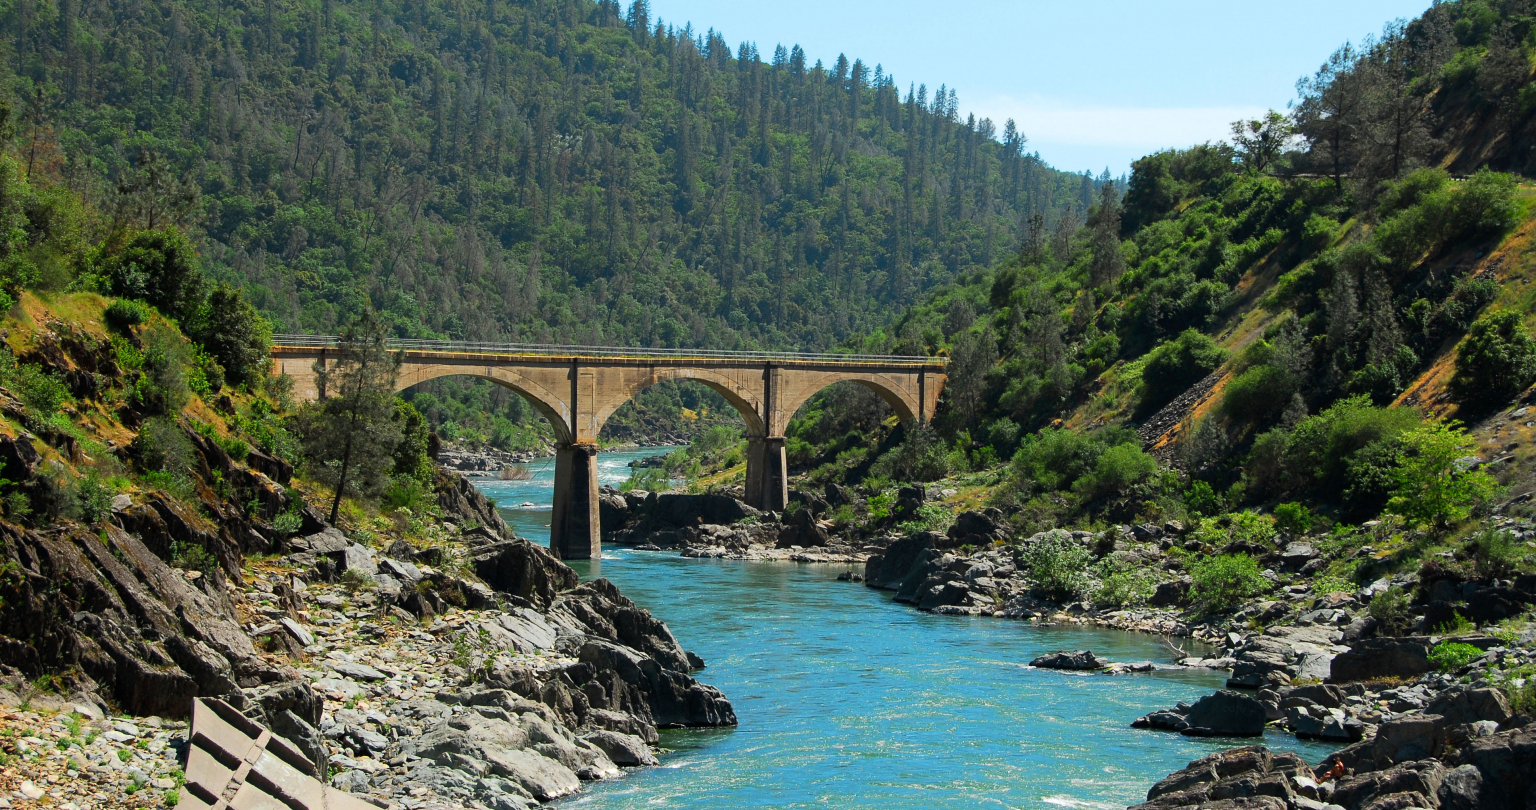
1094,84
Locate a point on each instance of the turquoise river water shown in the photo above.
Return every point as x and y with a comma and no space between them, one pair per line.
849,700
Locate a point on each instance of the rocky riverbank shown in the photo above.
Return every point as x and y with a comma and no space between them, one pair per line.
465,669
1417,726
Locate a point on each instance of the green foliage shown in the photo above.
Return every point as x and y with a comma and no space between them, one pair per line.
1058,566
1222,582
1293,518
191,556
1118,469
1457,625
158,267
1430,482
1450,656
1498,554
880,506
1123,583
1316,456
410,454
124,314
1258,393
92,498
920,457
1055,459
1496,362
1392,611
1202,500
234,334
161,448
930,517
351,436
354,580
1176,365
162,387
646,479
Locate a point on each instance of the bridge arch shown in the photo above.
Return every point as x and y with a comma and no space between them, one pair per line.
905,398
745,395
549,405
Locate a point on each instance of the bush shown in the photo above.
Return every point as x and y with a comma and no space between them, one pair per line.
920,457
1293,518
1392,611
231,330
40,391
1176,365
1450,656
1053,459
1257,394
1496,362
1058,566
159,268
1202,500
1222,582
162,388
1430,484
1123,583
122,315
1118,469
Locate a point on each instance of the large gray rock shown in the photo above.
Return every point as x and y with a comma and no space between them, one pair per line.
1226,714
522,569
692,510
801,529
626,750
1382,658
1249,778
1467,705
901,561
1507,764
1411,784
1078,660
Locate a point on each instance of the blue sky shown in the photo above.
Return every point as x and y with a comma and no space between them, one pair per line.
1093,83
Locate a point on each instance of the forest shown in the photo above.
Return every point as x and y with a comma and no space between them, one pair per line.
1282,318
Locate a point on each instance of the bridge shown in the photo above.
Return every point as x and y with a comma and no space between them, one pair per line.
577,388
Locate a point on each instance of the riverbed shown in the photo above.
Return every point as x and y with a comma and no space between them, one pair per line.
849,700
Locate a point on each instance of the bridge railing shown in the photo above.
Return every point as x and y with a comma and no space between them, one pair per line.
547,350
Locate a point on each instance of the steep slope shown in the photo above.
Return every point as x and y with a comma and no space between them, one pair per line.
547,171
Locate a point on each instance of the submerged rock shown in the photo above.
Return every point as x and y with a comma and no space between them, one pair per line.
1078,660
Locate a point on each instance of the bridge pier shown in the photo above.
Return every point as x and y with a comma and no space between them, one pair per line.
575,530
767,473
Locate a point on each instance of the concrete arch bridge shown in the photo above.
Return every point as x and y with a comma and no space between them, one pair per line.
577,388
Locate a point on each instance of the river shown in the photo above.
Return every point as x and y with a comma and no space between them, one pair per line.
849,700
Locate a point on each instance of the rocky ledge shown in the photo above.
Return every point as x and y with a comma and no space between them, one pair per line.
468,670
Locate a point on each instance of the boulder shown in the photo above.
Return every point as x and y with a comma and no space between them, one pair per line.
1226,714
1461,789
522,569
1506,763
1078,660
801,529
612,510
1249,778
1171,594
1297,555
901,560
1411,784
690,510
624,749
1462,705
1382,658
1175,719
1262,661
1412,738
977,528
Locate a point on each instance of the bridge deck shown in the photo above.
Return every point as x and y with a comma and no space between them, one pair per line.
609,355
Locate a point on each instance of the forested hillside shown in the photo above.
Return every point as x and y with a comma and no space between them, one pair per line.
1278,319
544,171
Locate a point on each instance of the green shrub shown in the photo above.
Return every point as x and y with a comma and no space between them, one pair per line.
1293,518
1224,581
929,517
1176,365
122,315
1058,566
1450,656
1496,362
1123,583
1457,625
1257,394
1429,483
1202,500
40,391
159,268
192,557
162,387
1392,611
354,580
1498,554
880,506
1118,469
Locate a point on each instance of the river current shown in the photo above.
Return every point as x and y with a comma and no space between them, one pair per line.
849,700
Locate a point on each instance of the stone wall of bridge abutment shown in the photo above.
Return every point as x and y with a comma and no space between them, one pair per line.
578,393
